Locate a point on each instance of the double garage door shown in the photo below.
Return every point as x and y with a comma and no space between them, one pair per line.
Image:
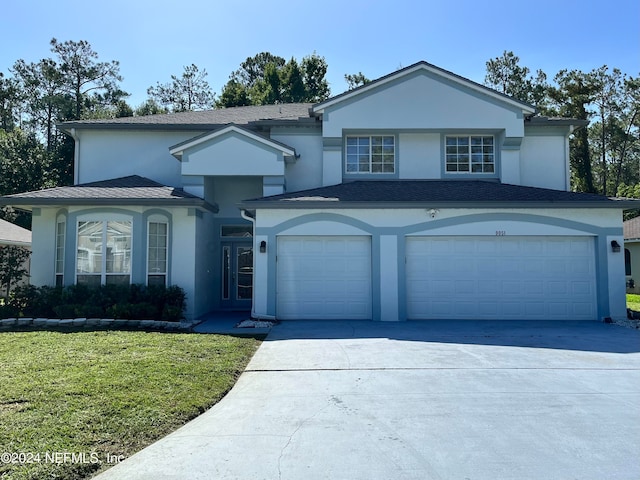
459,277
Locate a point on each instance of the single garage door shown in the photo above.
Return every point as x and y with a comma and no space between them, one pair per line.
323,277
509,278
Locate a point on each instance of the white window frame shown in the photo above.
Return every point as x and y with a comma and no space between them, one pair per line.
163,221
104,220
348,153
470,154
61,230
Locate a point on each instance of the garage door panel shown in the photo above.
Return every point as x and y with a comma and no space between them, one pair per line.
464,287
534,288
501,277
323,277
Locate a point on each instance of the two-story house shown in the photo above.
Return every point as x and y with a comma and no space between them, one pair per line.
421,195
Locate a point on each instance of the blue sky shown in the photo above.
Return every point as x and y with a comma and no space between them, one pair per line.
154,39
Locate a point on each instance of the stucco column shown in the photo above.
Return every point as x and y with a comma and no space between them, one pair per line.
272,185
617,287
388,257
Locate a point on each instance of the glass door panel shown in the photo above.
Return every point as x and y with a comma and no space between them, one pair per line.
244,265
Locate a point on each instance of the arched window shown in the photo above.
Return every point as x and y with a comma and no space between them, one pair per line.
61,226
157,250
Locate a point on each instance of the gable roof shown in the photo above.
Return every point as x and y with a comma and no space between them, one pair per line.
206,119
426,67
436,194
131,190
177,150
632,229
11,234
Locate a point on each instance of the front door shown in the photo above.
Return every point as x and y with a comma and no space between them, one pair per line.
237,275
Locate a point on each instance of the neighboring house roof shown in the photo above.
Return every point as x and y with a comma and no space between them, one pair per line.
435,194
207,119
556,121
632,229
118,191
425,66
11,234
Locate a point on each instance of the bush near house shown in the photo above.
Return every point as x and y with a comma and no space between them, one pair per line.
130,302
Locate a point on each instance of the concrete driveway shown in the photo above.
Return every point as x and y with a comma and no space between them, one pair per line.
419,400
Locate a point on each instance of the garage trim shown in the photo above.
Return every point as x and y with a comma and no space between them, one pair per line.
515,277
352,260
602,236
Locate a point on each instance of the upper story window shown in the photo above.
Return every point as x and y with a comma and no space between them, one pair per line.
470,154
370,154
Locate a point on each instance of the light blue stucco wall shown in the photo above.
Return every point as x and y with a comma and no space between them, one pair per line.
189,257
389,229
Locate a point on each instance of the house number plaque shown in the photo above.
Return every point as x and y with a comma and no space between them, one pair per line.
501,233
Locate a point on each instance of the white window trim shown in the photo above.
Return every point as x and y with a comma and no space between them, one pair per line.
470,171
166,271
370,171
103,219
60,232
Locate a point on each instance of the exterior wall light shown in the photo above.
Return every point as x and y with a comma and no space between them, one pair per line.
615,246
263,247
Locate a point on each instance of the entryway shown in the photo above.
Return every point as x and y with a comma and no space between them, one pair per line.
237,275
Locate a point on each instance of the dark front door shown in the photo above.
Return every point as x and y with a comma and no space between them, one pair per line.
237,275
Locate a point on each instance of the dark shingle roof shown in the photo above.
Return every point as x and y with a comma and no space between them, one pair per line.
202,119
632,229
435,193
118,191
13,234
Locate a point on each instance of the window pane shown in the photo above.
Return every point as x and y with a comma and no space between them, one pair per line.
118,247
156,280
157,253
89,254
90,280
117,280
60,234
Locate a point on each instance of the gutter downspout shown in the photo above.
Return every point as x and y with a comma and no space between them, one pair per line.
244,214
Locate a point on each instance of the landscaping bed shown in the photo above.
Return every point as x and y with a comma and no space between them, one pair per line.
128,302
74,403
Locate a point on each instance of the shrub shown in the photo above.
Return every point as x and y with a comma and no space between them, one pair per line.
172,313
8,311
116,301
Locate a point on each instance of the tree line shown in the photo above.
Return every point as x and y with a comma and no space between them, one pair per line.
74,84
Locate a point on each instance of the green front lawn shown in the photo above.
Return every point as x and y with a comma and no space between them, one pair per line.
633,302
94,394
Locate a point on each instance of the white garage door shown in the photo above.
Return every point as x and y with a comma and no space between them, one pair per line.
512,278
323,277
